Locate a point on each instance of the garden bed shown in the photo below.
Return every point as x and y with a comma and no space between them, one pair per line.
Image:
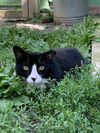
70,106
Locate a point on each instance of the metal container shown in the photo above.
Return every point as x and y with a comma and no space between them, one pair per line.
69,11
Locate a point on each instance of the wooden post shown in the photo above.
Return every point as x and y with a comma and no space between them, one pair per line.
33,7
25,9
30,7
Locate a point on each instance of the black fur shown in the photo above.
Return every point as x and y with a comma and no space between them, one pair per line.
56,61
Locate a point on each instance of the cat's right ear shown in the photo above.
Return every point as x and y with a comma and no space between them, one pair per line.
19,52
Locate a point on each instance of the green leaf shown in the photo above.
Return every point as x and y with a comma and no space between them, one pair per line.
5,105
19,101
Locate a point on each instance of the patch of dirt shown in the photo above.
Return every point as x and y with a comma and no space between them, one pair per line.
27,24
96,55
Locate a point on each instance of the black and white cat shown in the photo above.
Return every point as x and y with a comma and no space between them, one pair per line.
37,68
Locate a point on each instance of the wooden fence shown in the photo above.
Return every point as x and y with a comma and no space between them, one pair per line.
25,10
28,8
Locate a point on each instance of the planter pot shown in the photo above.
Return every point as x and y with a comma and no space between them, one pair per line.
69,11
44,5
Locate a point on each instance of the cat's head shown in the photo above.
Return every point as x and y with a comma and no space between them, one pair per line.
34,67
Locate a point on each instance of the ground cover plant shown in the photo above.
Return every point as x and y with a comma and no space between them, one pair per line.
71,106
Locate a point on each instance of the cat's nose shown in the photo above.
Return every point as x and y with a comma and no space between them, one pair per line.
33,79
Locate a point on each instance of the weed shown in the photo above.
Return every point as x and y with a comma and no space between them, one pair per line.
70,106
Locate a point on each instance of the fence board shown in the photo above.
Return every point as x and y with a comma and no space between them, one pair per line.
33,7
10,14
10,7
10,2
25,9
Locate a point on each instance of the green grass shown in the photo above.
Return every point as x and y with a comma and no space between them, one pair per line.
73,105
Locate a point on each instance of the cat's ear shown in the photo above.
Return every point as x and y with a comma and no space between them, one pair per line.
49,55
19,52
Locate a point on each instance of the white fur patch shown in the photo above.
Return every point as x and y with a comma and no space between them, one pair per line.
35,75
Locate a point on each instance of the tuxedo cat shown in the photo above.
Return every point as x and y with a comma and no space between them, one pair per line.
37,68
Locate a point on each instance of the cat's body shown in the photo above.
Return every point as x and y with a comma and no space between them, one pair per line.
37,68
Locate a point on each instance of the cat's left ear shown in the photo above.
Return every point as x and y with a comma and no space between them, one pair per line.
50,54
19,52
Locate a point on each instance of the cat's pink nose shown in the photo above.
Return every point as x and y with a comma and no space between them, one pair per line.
33,79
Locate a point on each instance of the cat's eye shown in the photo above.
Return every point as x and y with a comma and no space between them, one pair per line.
26,68
41,68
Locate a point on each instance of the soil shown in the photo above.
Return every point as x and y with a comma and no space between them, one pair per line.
22,23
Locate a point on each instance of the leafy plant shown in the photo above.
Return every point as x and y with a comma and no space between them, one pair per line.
70,106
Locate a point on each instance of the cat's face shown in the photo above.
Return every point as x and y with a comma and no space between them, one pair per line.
34,67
